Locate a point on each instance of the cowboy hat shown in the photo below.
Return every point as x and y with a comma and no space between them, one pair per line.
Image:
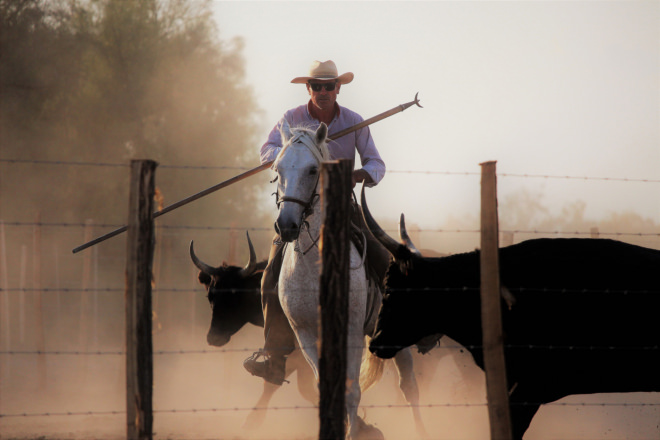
324,71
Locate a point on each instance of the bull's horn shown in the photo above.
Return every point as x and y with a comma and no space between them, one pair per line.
388,242
405,238
252,261
210,270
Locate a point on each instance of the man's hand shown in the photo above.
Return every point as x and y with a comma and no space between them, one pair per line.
361,176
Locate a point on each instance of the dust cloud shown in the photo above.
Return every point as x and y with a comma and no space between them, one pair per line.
203,393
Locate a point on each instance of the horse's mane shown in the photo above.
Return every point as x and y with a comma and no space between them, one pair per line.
307,130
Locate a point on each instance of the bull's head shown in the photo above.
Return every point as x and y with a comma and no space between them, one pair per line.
233,293
404,253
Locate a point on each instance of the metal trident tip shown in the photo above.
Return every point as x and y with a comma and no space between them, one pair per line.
417,100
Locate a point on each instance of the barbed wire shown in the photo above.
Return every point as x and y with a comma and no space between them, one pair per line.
270,229
244,168
312,407
523,290
220,351
119,165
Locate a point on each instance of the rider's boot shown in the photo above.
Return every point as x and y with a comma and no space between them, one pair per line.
278,336
271,369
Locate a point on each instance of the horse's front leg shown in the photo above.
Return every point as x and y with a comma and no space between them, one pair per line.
256,417
258,413
307,386
308,346
408,384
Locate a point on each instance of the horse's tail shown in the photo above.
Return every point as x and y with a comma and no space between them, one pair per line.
371,369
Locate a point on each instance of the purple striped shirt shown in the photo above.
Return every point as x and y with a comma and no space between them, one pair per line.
342,148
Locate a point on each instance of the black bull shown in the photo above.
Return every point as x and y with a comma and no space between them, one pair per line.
234,294
585,318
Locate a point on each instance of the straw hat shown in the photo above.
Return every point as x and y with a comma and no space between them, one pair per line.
324,71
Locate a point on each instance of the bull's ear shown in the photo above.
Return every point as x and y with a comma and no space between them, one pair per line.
204,278
321,133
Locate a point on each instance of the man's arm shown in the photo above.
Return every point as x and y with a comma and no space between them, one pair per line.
273,145
361,176
372,164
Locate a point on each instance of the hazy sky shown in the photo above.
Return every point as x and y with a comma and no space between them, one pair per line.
542,87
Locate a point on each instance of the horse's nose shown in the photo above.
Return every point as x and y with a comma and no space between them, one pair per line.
287,230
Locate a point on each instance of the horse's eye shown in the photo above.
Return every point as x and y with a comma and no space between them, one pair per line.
313,171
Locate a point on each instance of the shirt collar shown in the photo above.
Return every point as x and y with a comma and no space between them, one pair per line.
309,110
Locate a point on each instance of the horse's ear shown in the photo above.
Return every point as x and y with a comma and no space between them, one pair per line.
321,132
285,131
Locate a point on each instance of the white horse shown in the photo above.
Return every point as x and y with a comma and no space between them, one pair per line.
299,224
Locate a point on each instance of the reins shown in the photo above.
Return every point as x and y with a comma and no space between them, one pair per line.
308,206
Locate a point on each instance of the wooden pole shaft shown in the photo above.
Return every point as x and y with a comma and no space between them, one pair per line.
253,171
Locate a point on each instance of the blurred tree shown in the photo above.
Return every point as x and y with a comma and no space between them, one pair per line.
105,81
37,68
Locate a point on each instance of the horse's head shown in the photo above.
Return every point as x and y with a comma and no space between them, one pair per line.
298,169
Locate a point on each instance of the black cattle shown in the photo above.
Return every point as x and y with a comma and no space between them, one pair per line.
234,294
584,317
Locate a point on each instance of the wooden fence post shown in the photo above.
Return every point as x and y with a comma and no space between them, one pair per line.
335,253
491,312
159,200
139,260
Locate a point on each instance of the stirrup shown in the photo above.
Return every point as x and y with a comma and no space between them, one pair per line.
251,364
256,356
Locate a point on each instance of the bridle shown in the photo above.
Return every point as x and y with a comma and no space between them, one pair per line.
308,205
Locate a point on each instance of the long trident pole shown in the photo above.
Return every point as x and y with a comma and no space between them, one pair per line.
399,108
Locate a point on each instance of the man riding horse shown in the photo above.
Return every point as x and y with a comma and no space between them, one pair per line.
323,84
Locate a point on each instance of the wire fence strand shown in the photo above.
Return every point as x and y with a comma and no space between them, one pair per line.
394,171
312,407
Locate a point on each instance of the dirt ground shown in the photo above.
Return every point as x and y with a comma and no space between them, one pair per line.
208,395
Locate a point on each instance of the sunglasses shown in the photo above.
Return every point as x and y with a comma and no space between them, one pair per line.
329,87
